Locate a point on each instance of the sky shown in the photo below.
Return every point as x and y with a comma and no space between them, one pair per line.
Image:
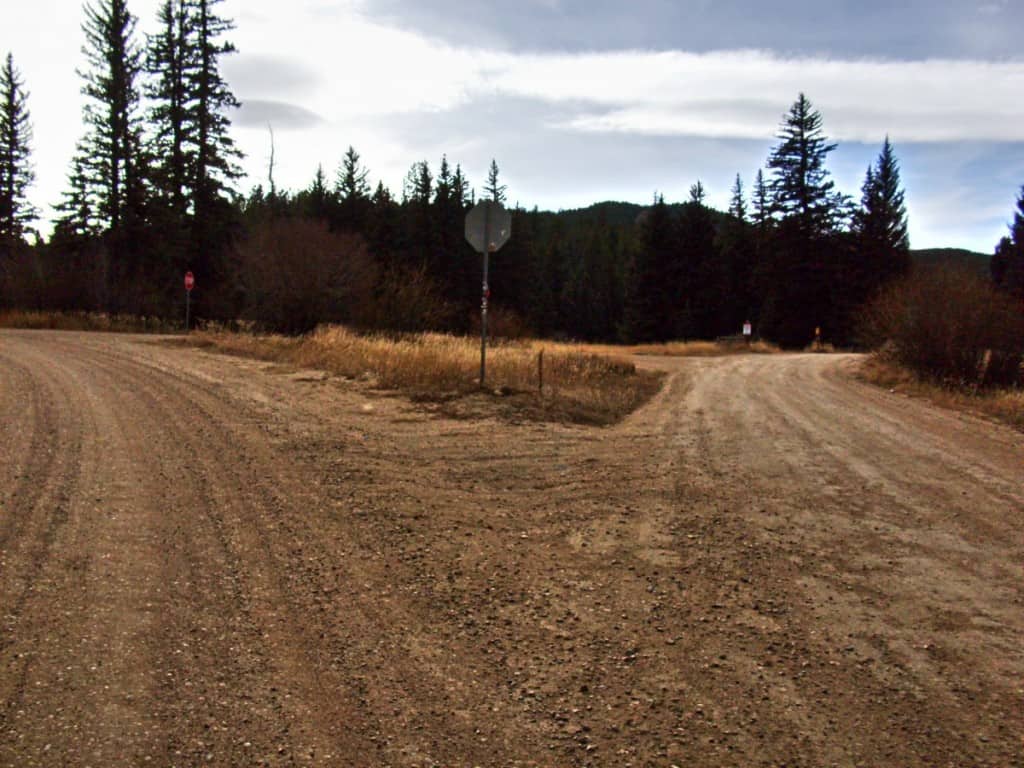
581,101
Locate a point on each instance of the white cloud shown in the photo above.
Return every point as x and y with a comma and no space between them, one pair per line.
371,69
362,76
743,94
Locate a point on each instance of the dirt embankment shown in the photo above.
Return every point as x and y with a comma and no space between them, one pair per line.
209,561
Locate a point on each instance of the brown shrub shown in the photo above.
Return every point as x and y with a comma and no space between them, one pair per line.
949,325
406,301
296,274
502,323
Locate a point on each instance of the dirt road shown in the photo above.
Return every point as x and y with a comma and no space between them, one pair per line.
208,561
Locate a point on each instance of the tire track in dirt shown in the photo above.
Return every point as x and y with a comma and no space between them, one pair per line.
301,566
36,514
204,487
28,411
88,669
294,562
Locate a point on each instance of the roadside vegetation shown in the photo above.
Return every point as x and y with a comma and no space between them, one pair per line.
526,379
686,348
947,334
84,321
1003,404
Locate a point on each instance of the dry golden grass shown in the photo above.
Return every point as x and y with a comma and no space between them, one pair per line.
682,348
83,321
578,385
1006,405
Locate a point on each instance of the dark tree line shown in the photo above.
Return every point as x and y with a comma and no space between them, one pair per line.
151,194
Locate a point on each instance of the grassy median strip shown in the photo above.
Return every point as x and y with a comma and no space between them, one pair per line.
1005,405
578,385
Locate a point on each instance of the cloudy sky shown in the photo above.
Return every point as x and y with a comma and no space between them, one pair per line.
588,100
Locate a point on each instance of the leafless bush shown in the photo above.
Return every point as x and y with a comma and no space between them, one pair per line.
406,301
296,274
949,325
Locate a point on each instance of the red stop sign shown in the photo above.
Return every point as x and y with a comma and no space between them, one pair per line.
190,281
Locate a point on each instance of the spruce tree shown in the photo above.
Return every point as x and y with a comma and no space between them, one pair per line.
383,230
1008,262
736,249
77,218
211,98
762,202
460,188
16,174
737,203
353,193
351,182
696,275
802,281
105,165
170,58
449,258
418,186
697,193
214,156
318,199
444,190
651,297
880,225
801,188
494,190
420,229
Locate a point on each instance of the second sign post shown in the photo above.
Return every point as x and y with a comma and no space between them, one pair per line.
488,228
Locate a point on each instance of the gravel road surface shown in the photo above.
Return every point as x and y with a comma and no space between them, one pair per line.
209,561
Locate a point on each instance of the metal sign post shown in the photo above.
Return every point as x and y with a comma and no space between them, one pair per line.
488,228
485,296
190,283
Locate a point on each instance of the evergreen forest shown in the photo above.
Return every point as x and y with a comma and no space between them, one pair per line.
153,192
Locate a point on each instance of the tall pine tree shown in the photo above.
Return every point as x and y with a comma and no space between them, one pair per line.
107,162
216,154
170,56
882,247
215,163
801,188
800,278
16,174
